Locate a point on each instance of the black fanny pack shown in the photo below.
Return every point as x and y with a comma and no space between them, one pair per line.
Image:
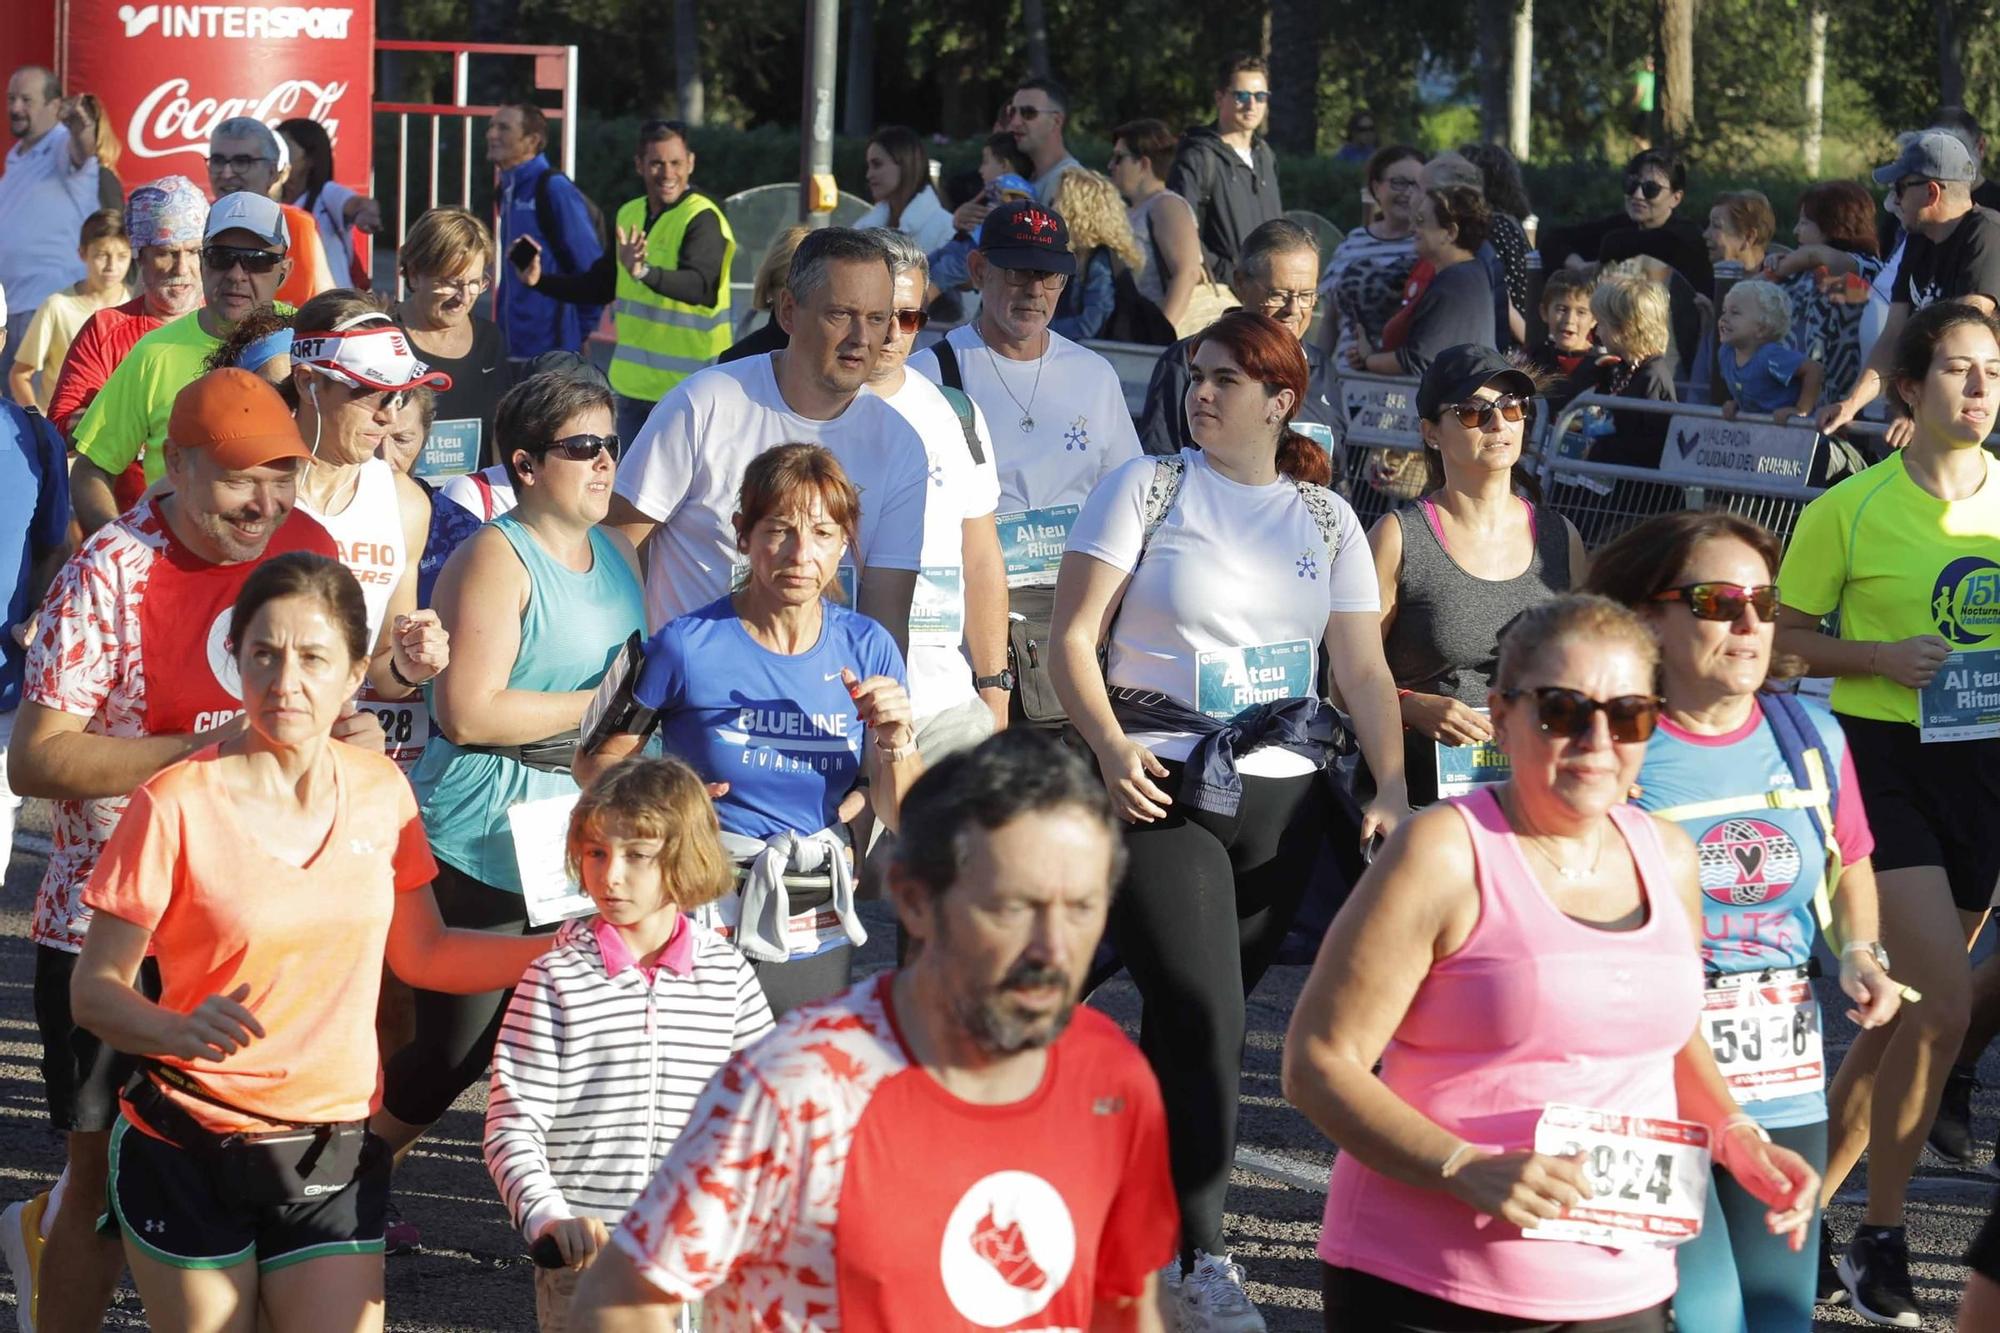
551,755
296,1164
1030,653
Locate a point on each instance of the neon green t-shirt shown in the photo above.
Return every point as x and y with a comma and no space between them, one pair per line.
1896,562
129,414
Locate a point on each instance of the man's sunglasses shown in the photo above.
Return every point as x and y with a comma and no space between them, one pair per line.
222,258
582,448
1478,413
1724,601
1645,189
1567,713
1009,111
1245,98
912,321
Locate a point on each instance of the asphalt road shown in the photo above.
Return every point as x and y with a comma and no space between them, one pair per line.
472,1274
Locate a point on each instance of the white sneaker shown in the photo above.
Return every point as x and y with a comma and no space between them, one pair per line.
1213,1299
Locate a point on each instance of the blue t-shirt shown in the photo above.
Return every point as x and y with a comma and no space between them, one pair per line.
1767,381
780,730
34,512
1759,868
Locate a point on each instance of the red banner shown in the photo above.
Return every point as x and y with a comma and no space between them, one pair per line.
168,73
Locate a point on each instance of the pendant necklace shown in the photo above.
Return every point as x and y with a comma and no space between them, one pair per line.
1570,874
1027,409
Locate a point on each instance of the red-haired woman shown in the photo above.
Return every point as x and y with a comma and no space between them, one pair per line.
1828,278
1215,577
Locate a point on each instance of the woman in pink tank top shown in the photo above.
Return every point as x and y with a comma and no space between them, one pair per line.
1526,949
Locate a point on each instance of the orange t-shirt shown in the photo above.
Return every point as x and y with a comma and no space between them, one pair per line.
309,941
310,275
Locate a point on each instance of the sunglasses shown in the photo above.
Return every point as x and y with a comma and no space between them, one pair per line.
1908,182
239,164
1645,189
1724,601
1567,713
582,448
912,321
1244,98
1009,111
1478,413
222,258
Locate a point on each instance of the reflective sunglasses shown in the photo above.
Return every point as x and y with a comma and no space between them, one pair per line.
239,164
1245,98
912,321
1567,713
1724,601
582,448
222,258
1478,413
1009,111
1645,189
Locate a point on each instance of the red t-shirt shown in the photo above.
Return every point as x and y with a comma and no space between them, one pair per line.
1397,331
94,353
827,1183
132,637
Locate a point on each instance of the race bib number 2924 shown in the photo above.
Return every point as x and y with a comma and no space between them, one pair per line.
1648,1177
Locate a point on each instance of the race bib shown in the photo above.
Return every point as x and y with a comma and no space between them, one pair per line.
1648,1177
1032,542
1962,702
1460,768
451,451
540,832
406,727
1229,680
937,610
1765,1036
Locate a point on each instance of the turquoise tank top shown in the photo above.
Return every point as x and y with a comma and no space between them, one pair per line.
572,627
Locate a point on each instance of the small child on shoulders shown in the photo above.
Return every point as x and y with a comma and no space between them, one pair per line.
1761,371
612,1034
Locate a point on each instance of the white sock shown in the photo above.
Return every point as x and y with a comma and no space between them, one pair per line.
55,1201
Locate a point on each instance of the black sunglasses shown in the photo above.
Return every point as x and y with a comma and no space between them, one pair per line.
582,448
1024,112
1724,601
1567,713
1478,413
222,258
912,321
1645,189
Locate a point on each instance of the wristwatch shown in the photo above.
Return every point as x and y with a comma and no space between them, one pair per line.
1004,681
1873,948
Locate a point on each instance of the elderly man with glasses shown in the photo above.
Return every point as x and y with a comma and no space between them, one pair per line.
246,154
245,259
1227,170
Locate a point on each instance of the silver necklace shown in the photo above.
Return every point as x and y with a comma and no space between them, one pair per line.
1570,874
1027,408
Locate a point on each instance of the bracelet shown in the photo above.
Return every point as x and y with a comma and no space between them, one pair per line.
1451,1162
896,754
1739,1121
400,678
1859,946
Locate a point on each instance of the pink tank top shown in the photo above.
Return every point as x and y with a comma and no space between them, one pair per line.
1536,1007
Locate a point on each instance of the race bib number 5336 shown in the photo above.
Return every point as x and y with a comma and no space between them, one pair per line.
1648,1177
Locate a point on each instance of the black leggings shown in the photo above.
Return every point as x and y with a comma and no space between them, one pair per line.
1356,1302
1205,904
455,1033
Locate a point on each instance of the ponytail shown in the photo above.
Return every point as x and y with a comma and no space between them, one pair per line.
1302,460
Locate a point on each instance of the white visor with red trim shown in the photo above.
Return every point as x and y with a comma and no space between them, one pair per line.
369,352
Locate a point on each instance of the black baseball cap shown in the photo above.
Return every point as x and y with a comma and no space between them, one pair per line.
1459,372
1027,234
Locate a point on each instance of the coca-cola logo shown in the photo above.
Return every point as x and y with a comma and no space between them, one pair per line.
168,120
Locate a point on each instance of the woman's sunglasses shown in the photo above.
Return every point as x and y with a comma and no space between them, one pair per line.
1567,713
1478,413
1724,601
582,448
1645,189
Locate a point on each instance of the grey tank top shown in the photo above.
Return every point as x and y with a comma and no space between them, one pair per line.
1448,622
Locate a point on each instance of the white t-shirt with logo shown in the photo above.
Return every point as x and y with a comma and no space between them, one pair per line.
960,489
686,468
1230,604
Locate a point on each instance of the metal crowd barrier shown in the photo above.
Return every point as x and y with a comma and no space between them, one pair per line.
1380,465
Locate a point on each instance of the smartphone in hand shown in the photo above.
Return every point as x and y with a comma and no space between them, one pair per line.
522,253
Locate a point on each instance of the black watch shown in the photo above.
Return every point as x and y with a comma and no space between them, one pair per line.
1003,681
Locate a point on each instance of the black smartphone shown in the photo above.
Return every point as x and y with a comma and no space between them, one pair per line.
546,1253
523,253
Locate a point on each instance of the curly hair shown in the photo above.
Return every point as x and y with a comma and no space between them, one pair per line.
1631,312
1845,212
1461,208
1095,212
1773,307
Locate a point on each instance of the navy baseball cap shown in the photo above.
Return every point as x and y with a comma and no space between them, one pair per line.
1027,234
1461,371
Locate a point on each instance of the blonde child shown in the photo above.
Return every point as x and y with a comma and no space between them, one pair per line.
1762,372
107,257
1630,308
612,1034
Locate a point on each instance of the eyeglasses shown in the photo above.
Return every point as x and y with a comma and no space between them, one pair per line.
1278,300
1034,277
459,286
912,321
239,163
1645,189
1245,98
1724,601
1567,713
1478,413
1896,190
222,258
1403,184
1029,113
582,448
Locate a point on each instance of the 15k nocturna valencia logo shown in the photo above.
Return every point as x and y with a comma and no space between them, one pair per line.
1965,601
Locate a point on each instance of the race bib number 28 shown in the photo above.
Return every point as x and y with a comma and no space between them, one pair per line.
1648,1177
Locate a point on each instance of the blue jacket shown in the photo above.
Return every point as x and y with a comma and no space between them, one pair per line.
531,322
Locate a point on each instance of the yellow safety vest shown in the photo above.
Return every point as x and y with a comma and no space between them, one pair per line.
662,342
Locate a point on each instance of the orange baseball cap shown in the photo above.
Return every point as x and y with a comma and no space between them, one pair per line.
237,418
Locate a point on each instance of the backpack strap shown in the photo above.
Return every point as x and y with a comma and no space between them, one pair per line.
967,421
948,372
1813,771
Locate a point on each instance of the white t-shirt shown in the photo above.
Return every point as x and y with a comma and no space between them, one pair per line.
1082,431
368,534
329,214
1230,604
686,467
960,489
495,499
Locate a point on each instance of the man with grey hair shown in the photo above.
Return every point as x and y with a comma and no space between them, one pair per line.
48,189
1276,276
246,154
1952,252
678,481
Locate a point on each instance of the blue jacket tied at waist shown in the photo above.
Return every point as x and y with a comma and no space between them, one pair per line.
1304,726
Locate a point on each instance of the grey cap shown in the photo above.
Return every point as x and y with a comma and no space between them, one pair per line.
1937,155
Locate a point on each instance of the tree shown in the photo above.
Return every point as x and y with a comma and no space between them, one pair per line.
1496,30
689,91
1520,79
1815,87
1676,83
1297,37
858,118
